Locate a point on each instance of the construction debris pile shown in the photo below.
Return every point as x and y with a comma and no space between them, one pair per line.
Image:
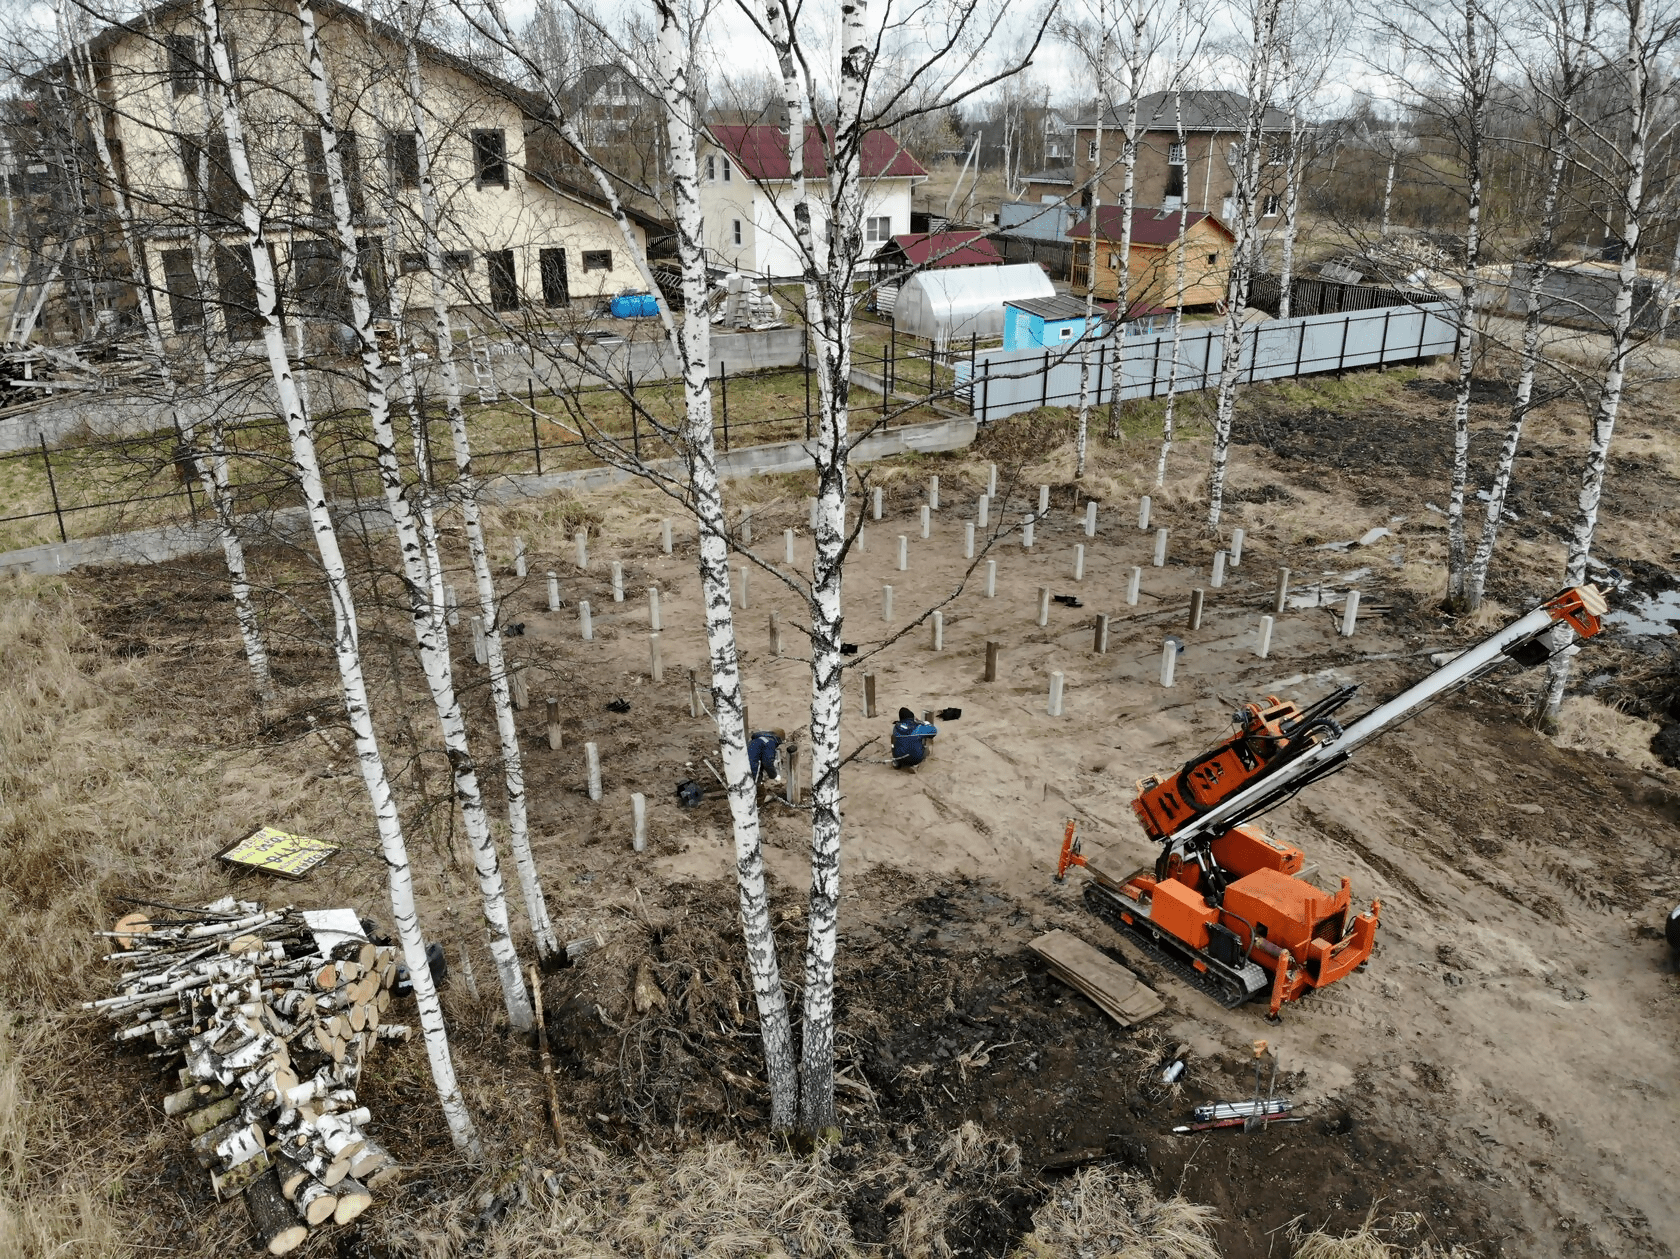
744,303
272,1014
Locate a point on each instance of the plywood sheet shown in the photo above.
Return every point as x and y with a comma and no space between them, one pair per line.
1120,994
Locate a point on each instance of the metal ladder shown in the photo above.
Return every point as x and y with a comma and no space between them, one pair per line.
484,376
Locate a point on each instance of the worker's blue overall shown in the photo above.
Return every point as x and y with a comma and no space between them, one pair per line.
909,742
761,754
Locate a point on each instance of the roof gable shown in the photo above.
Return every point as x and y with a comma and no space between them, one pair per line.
944,249
761,152
1215,110
1149,227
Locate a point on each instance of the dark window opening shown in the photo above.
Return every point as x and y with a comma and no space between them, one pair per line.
458,260
236,285
504,284
317,279
1175,181
185,69
210,177
556,289
405,159
180,282
350,162
1213,260
597,260
490,157
412,263
370,254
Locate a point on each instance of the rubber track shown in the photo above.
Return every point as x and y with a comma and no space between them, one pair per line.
1102,904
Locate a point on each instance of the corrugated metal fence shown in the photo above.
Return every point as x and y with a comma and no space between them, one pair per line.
1007,382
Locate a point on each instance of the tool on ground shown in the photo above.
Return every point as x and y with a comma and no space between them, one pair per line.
1067,601
949,714
1211,1124
1244,1110
1224,904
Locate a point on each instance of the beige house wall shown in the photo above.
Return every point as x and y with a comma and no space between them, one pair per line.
368,77
1209,176
1154,269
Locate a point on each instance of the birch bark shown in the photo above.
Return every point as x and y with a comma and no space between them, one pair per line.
1181,260
1136,61
1292,168
1641,52
1563,103
353,683
1082,436
212,473
1476,84
467,494
1248,223
433,648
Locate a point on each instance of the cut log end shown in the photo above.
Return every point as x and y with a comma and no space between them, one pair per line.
353,1199
277,1226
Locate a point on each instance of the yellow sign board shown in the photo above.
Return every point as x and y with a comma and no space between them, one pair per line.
277,852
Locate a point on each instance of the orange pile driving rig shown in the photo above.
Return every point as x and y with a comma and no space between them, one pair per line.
1223,907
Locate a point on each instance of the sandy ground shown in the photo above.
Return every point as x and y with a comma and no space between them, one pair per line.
1515,1032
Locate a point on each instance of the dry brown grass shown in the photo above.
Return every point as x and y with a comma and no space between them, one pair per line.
1397,1239
1586,724
1106,1214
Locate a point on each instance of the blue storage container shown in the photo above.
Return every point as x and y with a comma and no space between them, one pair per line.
635,306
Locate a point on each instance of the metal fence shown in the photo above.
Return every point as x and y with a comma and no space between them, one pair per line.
91,488
1007,382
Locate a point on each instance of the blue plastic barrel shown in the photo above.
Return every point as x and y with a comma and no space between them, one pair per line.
635,306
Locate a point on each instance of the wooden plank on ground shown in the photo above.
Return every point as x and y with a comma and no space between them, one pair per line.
1117,992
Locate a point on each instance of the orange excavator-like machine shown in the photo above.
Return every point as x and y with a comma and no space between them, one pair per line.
1223,906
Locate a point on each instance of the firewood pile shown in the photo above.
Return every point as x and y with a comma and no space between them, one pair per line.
271,1030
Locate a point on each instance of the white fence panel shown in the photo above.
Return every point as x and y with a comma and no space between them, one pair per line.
1007,382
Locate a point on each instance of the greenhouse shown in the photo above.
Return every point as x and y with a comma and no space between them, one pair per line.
963,302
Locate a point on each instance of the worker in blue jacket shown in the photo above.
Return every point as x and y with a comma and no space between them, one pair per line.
910,739
762,747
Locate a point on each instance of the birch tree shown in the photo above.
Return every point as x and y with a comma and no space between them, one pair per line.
429,631
1099,66
1261,51
211,473
346,645
1564,38
1456,47
1135,50
1652,29
467,493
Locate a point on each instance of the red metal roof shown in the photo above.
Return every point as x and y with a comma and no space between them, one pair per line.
1149,227
762,153
948,249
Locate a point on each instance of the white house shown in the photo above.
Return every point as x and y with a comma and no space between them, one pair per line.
746,191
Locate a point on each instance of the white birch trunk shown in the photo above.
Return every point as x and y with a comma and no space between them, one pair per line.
1248,223
1465,346
346,647
1641,58
1081,440
211,474
1180,262
1135,62
817,1114
1292,170
1530,356
434,659
1388,182
530,886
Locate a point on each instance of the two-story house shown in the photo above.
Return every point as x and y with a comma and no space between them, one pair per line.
513,239
1200,173
746,190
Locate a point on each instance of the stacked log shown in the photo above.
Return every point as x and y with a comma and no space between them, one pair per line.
271,1034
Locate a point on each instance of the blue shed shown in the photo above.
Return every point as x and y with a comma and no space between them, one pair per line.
1047,323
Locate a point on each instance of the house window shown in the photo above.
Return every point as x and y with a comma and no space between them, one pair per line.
184,70
1091,151
724,162
412,263
1175,183
317,279
1113,262
878,230
1271,206
1213,260
489,148
504,285
315,165
735,230
210,176
1067,334
711,168
1175,153
458,260
556,289
597,260
403,150
186,301
370,256
1276,155
236,286
1233,155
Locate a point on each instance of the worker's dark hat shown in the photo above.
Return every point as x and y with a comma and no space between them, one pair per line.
904,714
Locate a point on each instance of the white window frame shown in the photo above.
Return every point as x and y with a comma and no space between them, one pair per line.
877,229
1270,206
727,173
711,168
735,230
1176,153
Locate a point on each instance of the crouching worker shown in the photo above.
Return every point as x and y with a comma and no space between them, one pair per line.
910,739
762,747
